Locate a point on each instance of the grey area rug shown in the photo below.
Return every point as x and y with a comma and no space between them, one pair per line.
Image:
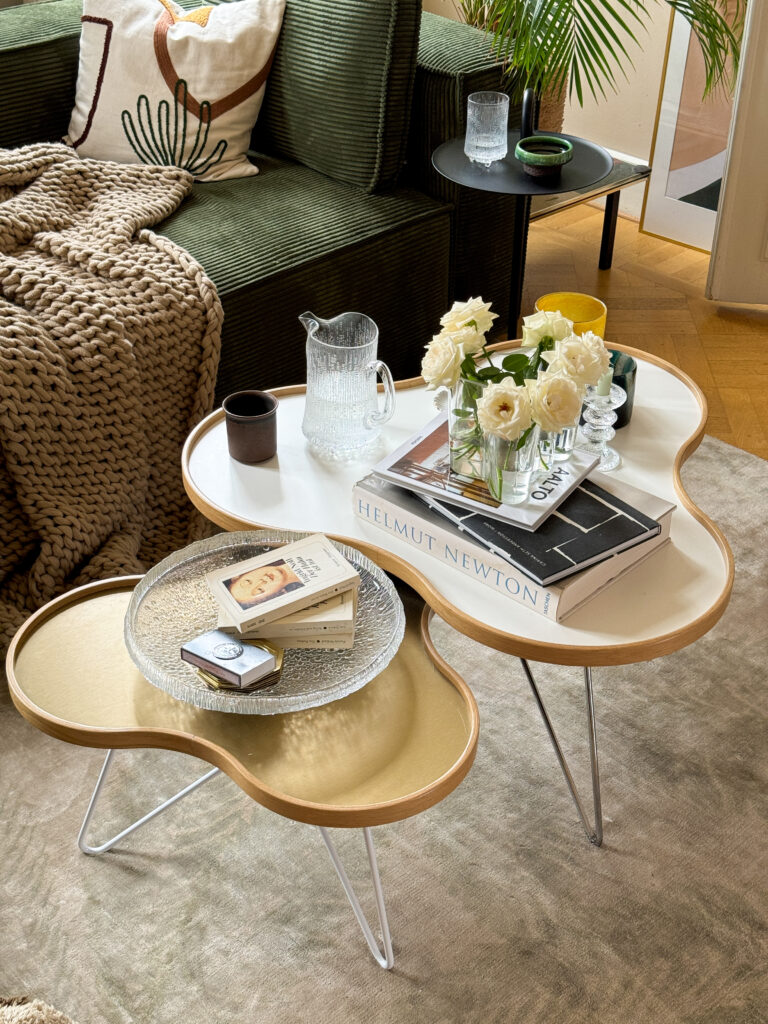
501,910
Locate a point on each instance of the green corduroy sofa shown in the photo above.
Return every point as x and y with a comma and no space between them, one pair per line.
347,212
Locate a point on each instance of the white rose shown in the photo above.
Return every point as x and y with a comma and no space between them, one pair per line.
473,312
595,342
546,324
584,362
468,340
555,401
504,409
441,363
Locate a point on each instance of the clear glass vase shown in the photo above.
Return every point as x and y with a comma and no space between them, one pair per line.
557,446
464,433
509,466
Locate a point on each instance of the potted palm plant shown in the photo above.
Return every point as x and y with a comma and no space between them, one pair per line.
583,44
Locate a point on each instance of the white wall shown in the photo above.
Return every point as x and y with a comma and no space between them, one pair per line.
445,7
624,121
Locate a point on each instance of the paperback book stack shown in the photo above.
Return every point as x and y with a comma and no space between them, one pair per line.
300,595
578,532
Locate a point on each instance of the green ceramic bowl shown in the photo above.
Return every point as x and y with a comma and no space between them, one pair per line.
543,155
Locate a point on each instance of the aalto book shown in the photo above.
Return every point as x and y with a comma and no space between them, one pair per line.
422,464
405,517
591,524
285,579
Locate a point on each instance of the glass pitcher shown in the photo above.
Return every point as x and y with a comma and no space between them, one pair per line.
341,412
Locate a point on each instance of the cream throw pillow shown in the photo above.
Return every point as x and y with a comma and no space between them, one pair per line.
161,85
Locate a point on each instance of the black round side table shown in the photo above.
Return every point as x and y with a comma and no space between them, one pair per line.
590,163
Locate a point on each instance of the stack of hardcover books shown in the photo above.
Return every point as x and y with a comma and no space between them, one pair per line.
299,595
578,532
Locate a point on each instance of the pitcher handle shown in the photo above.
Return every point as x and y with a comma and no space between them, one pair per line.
388,411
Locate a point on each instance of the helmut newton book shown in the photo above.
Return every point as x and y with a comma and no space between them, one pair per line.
405,517
282,580
422,464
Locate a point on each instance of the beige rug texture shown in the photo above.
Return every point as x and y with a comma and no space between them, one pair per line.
501,911
109,346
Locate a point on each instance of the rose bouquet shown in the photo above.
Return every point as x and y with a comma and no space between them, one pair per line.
498,411
452,362
511,416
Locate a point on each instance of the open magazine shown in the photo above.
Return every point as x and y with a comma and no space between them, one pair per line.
423,465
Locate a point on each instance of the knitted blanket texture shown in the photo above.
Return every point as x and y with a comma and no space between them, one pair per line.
109,345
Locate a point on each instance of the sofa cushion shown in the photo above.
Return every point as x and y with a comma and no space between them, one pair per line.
339,93
158,85
292,240
38,43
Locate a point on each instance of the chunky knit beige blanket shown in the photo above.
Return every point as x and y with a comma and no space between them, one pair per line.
109,346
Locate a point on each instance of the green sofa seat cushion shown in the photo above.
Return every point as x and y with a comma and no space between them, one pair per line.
291,240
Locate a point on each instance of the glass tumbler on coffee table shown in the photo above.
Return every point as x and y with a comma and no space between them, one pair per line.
487,116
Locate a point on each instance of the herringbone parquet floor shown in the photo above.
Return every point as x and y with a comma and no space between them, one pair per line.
655,298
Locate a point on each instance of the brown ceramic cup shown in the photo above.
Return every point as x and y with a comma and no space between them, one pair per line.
251,425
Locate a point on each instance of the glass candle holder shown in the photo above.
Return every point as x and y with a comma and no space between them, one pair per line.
487,116
597,429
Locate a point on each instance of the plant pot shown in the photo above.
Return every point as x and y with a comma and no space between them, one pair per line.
543,156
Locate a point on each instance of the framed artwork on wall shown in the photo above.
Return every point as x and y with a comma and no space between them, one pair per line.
689,147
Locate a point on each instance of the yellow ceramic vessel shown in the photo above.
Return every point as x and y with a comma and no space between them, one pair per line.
586,312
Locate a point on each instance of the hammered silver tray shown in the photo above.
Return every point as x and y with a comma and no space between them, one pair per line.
172,604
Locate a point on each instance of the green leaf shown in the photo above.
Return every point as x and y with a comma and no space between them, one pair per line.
543,43
468,368
489,373
514,362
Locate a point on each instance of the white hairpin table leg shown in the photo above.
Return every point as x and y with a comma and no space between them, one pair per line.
94,850
594,834
386,958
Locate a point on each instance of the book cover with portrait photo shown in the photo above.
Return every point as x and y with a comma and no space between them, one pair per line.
287,578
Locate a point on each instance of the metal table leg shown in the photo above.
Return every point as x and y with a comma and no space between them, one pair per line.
95,850
609,230
595,835
518,245
386,957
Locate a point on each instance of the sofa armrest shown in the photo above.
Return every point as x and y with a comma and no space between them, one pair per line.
455,60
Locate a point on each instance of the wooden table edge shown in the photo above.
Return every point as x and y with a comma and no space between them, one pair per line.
308,812
510,643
